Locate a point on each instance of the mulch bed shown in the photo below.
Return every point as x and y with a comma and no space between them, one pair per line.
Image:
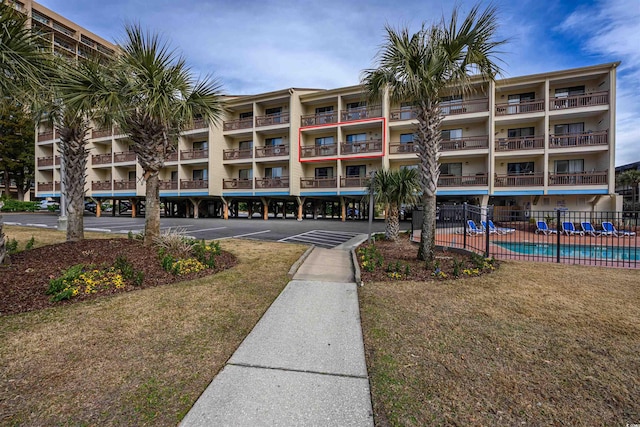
24,281
402,253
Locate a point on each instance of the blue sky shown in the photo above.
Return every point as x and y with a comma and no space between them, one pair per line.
259,46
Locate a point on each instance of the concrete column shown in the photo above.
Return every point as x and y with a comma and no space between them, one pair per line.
196,204
343,210
265,208
98,208
134,207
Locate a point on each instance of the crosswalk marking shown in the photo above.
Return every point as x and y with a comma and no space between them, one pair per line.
324,238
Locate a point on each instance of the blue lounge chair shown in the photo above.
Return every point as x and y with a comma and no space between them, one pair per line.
491,229
472,228
610,229
500,230
569,229
587,228
544,228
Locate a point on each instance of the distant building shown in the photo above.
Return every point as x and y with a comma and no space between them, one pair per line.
625,191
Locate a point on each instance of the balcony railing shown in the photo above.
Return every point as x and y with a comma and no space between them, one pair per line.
199,153
172,157
101,185
124,156
193,184
360,113
124,185
237,184
319,150
197,124
278,182
578,139
403,148
272,119
520,143
48,186
577,101
464,107
236,153
167,184
101,159
522,180
463,180
522,107
45,161
579,178
466,143
403,114
238,124
272,150
354,181
319,119
101,133
318,182
45,136
371,146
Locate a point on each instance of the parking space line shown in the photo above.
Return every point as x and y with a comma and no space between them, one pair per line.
243,235
205,229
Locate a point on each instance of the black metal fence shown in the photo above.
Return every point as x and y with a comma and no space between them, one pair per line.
561,236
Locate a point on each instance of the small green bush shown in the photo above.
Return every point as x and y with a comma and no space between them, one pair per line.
11,246
128,271
11,205
30,243
60,287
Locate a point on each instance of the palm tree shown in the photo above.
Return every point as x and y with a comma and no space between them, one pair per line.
631,178
154,98
392,189
420,68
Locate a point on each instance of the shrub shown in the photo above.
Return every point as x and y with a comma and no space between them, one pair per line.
129,273
30,243
175,243
370,257
11,205
11,246
61,287
206,254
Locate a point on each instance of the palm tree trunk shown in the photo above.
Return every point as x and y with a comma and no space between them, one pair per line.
73,141
393,223
152,209
3,248
428,138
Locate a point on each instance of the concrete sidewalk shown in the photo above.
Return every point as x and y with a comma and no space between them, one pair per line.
303,363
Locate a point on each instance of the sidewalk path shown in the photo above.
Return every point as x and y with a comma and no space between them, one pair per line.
303,363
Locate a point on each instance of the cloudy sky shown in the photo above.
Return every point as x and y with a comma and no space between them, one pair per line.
259,46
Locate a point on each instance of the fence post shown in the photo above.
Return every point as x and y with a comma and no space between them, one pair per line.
464,225
558,230
487,232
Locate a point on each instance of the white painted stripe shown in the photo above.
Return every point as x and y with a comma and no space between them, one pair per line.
98,230
133,224
349,233
243,235
12,223
205,229
318,240
127,231
38,225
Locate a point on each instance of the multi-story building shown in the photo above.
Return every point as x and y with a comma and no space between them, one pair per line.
534,142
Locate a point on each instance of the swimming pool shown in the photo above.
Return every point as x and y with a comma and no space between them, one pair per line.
615,253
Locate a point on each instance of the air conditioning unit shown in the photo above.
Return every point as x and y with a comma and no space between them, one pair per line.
276,150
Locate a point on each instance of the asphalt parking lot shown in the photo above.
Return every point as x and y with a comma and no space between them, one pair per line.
326,233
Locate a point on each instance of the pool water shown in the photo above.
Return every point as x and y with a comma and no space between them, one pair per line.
619,253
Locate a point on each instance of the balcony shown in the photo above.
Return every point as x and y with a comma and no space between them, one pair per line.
101,159
403,114
172,157
196,153
318,182
578,101
45,136
319,119
354,181
520,143
167,185
238,124
319,150
272,150
199,123
194,184
522,180
463,180
124,156
523,107
278,182
237,184
45,161
579,178
272,119
124,185
101,133
236,153
372,146
403,148
572,140
464,107
101,185
48,186
360,113
466,143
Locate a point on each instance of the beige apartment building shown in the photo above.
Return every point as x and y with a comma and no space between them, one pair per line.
536,142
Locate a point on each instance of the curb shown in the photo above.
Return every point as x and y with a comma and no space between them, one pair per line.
356,267
296,265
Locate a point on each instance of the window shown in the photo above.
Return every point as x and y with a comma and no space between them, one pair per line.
449,134
132,175
174,176
454,169
245,174
568,128
271,142
356,171
406,111
274,113
200,145
518,132
356,137
273,172
323,110
569,166
406,138
569,91
514,100
408,167
354,105
246,115
449,104
325,140
199,174
324,173
245,145
520,168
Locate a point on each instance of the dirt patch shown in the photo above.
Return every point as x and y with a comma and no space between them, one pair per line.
24,282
